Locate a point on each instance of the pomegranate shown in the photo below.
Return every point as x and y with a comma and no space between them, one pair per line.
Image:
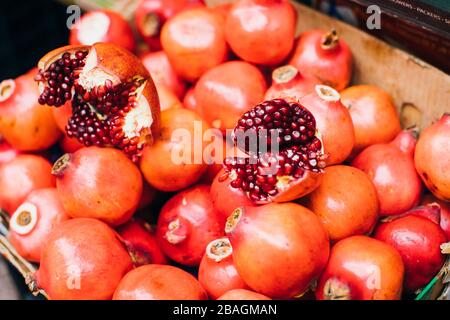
141,243
295,170
162,72
222,97
32,222
102,26
189,100
20,176
222,9
362,268
187,223
242,294
391,168
62,115
253,29
418,241
444,212
289,83
333,122
345,201
225,197
179,154
70,145
82,259
324,55
167,98
24,124
430,211
194,42
99,183
285,237
114,100
150,16
159,282
147,196
7,152
432,158
374,115
217,273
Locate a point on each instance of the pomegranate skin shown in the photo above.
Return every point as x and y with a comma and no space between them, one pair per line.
69,145
24,124
333,122
7,152
167,98
162,72
63,275
298,245
373,113
62,115
99,183
432,158
391,169
175,174
141,243
150,16
189,101
50,213
444,212
253,29
226,198
222,97
187,223
194,42
242,294
20,176
361,268
418,241
217,273
102,26
324,55
159,282
345,201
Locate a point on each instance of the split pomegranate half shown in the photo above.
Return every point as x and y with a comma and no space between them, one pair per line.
278,174
114,99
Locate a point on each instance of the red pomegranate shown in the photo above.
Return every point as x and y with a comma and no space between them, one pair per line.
24,124
82,259
253,29
114,100
430,211
361,268
167,98
7,152
324,55
432,158
373,113
194,41
62,115
102,26
162,72
99,183
345,201
225,197
333,122
217,273
189,101
284,175
176,148
187,223
70,145
285,237
222,97
418,241
141,243
150,16
147,196
289,83
32,222
444,212
20,176
243,294
391,168
159,282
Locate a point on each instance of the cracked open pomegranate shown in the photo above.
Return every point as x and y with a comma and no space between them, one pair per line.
291,172
114,100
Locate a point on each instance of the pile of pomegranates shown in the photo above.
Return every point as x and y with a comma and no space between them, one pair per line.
227,159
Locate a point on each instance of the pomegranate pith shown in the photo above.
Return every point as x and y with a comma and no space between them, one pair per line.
114,100
285,175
